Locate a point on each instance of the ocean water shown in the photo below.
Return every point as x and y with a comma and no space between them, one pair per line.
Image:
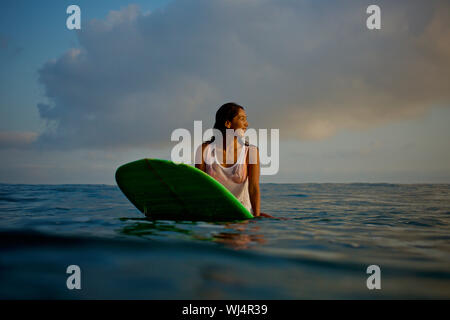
331,234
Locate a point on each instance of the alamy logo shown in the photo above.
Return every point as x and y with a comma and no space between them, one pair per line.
74,20
374,281
374,20
182,152
74,280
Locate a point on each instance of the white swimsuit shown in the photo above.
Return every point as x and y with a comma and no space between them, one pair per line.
234,178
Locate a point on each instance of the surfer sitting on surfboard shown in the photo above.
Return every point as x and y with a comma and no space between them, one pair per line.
239,175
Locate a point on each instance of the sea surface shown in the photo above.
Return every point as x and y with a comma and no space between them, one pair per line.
330,235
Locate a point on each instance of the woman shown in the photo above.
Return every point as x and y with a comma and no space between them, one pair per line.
237,173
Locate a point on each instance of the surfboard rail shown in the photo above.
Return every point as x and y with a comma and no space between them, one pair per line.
164,190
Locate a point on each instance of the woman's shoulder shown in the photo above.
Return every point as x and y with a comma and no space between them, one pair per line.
199,155
205,144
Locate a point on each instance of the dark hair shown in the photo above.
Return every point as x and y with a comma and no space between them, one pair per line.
225,113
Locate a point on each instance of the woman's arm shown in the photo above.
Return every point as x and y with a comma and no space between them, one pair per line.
253,181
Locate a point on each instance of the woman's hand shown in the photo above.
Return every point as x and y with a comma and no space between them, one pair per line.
265,215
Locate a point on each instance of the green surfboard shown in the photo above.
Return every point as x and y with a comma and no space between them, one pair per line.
164,190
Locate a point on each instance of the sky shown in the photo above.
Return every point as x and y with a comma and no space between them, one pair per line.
351,104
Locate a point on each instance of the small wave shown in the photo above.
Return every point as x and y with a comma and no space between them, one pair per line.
8,199
11,199
418,224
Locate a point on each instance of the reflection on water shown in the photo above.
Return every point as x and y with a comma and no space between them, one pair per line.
333,233
241,235
148,227
238,235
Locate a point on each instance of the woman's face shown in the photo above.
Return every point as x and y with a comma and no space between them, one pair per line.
239,121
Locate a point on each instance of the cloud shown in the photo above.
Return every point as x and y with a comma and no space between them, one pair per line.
16,140
308,68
